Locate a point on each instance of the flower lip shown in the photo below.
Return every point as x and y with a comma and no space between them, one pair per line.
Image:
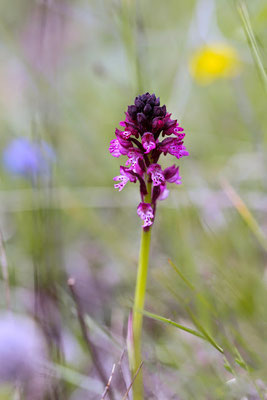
123,134
156,173
133,156
125,176
145,212
114,148
173,146
148,142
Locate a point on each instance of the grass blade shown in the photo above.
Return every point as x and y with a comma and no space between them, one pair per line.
204,335
245,213
244,15
190,285
186,281
170,322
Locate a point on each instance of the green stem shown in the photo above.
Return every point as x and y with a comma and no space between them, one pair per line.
139,301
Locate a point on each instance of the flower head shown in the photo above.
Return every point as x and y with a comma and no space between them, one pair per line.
145,125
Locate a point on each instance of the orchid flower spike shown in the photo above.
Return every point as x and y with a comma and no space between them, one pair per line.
140,140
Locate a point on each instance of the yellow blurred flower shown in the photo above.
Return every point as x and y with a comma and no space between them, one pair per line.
214,61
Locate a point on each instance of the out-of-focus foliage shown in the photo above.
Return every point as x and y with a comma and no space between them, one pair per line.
68,69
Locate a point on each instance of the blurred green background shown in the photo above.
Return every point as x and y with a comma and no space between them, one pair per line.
68,70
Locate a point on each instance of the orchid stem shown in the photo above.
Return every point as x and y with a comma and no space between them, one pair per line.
139,300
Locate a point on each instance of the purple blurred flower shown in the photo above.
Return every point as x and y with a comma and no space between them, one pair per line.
146,120
23,353
28,159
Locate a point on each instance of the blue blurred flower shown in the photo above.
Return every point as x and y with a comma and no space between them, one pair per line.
25,158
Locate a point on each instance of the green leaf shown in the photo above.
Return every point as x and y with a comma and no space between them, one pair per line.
183,328
227,366
241,363
204,331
